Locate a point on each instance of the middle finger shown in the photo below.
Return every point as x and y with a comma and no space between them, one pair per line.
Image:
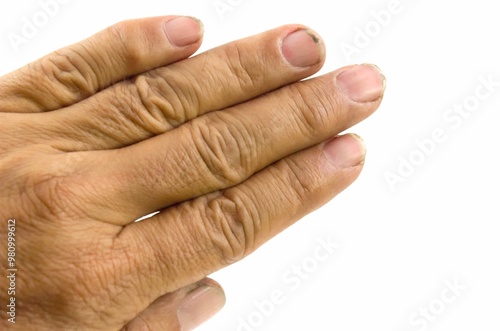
222,149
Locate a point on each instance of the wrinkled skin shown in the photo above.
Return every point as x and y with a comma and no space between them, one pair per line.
229,145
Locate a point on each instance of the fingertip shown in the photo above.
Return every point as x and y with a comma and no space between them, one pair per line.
183,31
363,83
345,151
200,305
302,47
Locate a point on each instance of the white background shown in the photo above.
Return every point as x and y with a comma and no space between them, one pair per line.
398,248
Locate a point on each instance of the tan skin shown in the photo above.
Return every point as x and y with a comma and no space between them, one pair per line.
229,145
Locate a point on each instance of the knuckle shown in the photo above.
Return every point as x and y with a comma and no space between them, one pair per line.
294,177
232,224
71,70
223,147
130,47
43,185
45,192
314,107
159,104
241,66
51,189
11,175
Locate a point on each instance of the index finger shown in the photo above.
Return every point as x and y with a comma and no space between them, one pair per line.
74,73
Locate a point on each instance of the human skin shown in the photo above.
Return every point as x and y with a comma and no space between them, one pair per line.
231,146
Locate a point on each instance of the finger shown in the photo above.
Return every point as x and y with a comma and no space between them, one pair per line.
155,102
222,149
182,310
198,237
76,72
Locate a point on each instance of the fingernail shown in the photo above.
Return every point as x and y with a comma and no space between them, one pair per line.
362,83
302,49
199,306
183,31
345,151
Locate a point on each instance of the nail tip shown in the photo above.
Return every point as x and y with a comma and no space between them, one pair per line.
381,73
362,83
314,37
183,31
362,144
345,153
199,305
200,23
298,50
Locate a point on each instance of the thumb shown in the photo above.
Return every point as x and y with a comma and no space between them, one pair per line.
182,310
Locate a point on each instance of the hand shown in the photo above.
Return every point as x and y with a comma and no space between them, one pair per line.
230,146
